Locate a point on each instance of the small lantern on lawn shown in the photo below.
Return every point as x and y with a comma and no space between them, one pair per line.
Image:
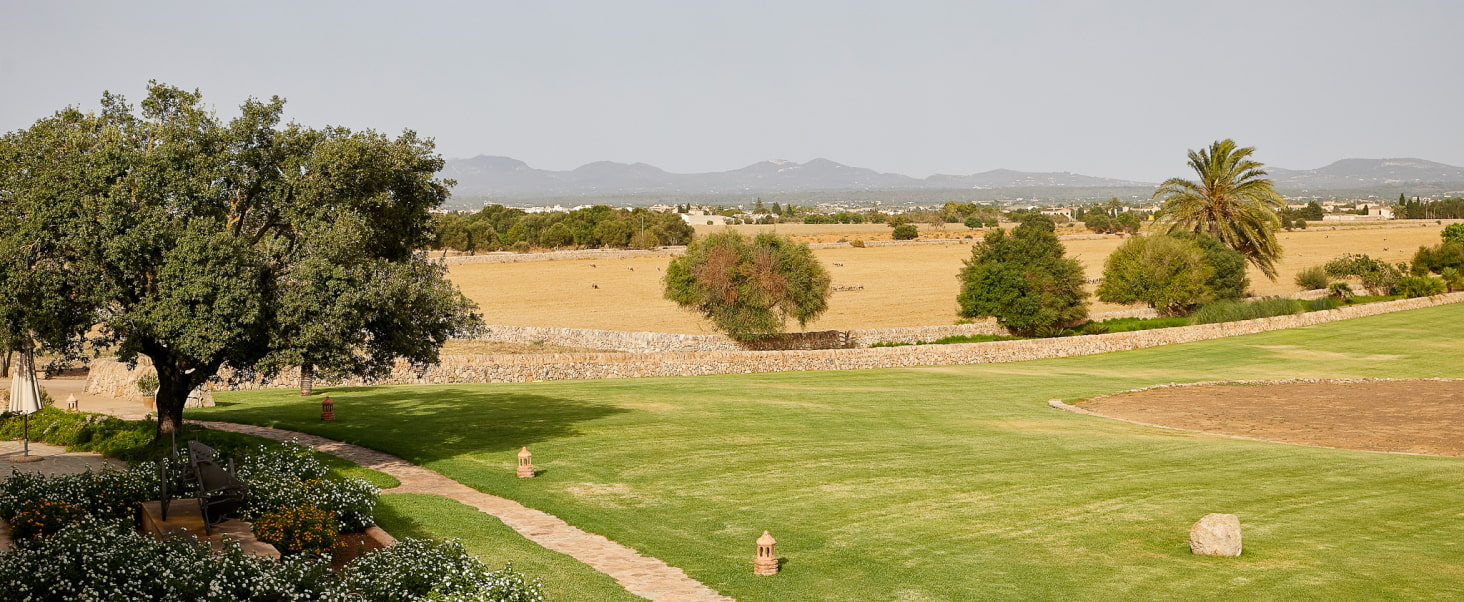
525,464
71,403
327,409
766,562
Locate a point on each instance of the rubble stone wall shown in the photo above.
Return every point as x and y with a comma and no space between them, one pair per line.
110,376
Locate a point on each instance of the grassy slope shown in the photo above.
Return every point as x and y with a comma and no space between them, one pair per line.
952,483
496,544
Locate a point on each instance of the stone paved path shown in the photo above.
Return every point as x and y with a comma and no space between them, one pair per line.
640,575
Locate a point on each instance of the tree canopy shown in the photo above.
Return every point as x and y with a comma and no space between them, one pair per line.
204,244
1169,274
749,289
1023,280
1232,201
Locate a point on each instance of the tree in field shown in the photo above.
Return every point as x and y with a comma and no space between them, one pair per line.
1378,277
1453,233
1023,280
1232,200
247,245
905,232
1167,273
749,288
1228,279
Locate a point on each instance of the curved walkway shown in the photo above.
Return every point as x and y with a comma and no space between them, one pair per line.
640,575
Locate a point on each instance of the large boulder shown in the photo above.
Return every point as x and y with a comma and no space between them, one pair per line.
1216,535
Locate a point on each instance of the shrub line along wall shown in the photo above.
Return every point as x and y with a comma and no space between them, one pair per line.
109,376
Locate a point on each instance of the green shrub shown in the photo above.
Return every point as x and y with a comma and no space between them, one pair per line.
905,232
299,530
1312,278
1235,311
1023,280
1420,286
1229,280
1378,277
44,517
1439,257
1340,291
1453,233
1166,273
1132,324
147,383
1322,304
1453,278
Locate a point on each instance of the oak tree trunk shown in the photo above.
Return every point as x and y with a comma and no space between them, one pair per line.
307,379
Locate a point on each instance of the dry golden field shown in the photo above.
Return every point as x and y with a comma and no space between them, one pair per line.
910,285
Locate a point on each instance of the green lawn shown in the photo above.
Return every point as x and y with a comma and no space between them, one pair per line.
952,483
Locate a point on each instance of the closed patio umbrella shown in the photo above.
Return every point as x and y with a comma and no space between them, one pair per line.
25,393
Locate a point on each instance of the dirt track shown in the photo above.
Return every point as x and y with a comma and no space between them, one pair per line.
1422,417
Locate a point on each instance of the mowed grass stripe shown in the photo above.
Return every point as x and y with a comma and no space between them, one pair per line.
953,482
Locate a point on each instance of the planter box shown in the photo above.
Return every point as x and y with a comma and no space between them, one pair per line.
354,545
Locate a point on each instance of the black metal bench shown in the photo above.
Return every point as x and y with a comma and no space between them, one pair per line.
220,492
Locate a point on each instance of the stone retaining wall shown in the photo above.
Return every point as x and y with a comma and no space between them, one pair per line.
107,374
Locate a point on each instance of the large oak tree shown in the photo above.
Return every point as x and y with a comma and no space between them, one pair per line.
205,244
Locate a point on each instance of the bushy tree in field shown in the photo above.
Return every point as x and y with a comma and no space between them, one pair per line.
905,232
1377,276
1438,257
1453,233
749,288
1023,280
1166,273
203,244
1228,279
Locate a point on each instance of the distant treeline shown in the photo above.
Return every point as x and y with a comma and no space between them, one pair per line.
498,228
1416,209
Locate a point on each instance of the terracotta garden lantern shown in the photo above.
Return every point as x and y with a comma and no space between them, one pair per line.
71,403
766,562
525,464
327,409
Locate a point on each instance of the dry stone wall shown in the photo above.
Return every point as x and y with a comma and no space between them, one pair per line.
108,375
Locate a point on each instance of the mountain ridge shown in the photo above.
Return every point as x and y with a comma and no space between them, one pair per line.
506,177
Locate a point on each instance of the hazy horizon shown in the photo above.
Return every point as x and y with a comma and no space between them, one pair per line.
1117,90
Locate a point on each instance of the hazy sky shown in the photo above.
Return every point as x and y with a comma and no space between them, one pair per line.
1116,89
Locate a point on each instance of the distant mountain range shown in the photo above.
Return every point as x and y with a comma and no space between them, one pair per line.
504,177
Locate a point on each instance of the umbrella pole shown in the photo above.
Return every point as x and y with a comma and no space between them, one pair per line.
25,422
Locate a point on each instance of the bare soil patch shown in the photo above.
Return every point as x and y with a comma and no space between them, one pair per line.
1419,417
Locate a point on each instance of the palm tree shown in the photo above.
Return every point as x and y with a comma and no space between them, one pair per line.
1232,201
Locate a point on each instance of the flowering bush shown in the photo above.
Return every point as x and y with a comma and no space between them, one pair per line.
299,530
108,494
96,560
43,517
288,476
417,568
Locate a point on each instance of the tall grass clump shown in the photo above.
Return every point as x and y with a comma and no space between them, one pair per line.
1234,311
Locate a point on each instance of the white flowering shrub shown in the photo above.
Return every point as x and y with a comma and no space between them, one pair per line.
289,476
415,569
95,561
107,494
